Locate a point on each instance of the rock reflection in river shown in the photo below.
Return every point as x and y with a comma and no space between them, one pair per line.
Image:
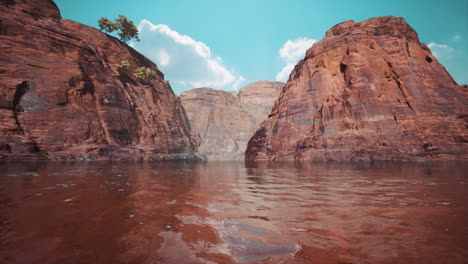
232,212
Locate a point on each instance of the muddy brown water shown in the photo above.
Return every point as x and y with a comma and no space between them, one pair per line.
233,212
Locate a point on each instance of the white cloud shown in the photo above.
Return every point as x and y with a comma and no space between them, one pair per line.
236,85
294,50
291,52
283,75
440,50
185,62
163,57
452,59
433,44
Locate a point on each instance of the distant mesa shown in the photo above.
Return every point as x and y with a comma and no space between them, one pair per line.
367,91
62,95
226,121
258,98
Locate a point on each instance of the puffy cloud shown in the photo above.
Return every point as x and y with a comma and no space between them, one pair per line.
163,57
185,62
283,75
291,52
294,50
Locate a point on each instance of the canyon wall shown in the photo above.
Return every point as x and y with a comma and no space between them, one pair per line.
367,91
226,121
62,96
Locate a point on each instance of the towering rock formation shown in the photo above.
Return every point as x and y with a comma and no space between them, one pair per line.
62,97
227,120
368,90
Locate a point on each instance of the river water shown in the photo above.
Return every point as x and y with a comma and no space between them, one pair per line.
233,212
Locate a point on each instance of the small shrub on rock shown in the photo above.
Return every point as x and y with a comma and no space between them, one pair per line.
143,74
127,29
124,68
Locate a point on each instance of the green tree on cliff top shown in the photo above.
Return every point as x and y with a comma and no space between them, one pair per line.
107,25
126,27
128,30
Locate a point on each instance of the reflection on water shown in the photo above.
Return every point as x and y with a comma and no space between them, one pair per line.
231,212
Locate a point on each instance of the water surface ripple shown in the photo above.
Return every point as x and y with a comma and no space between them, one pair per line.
233,212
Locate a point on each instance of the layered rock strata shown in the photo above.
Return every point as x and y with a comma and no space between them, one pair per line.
367,91
62,96
226,121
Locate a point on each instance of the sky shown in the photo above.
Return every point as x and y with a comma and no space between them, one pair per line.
229,44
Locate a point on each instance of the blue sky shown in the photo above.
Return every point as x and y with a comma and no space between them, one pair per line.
228,44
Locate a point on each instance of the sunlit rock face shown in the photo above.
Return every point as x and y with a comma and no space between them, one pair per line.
257,98
62,97
226,121
368,90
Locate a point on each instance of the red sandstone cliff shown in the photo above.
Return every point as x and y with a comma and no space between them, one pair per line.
368,90
61,96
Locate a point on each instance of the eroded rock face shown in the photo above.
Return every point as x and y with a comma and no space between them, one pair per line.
62,97
226,121
257,98
368,90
